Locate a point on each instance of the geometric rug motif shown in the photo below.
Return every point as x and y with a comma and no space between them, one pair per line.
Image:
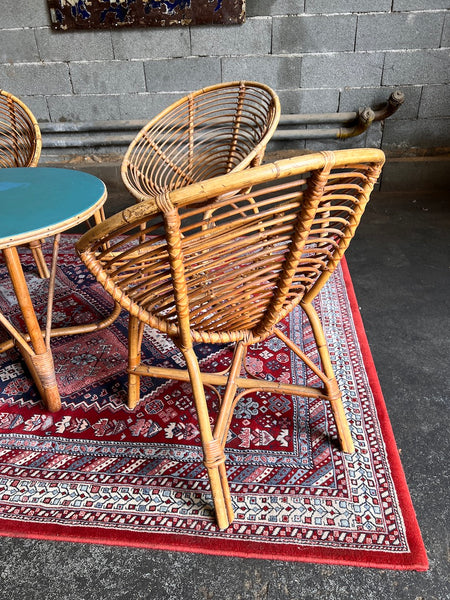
99,472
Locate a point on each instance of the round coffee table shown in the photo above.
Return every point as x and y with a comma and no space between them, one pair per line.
35,203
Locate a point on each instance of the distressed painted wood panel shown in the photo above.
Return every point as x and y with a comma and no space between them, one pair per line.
108,14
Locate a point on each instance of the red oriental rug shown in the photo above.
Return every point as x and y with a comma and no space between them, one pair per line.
98,472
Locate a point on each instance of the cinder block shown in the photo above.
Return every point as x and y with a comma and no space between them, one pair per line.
404,136
145,106
36,78
327,144
376,97
153,43
27,13
302,101
416,67
420,4
38,106
346,6
107,77
374,135
279,72
343,69
445,42
293,35
78,45
181,74
252,37
18,45
83,108
399,31
435,101
261,8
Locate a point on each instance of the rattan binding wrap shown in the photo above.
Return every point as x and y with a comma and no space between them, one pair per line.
233,277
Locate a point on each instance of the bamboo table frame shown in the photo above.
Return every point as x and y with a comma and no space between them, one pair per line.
37,203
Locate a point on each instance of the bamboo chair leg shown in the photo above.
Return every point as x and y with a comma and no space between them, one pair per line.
99,216
214,457
135,333
332,388
226,494
223,422
36,250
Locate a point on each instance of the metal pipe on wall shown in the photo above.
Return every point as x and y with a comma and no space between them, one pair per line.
101,134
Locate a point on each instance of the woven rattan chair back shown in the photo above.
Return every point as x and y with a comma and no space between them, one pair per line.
213,131
234,280
20,146
20,136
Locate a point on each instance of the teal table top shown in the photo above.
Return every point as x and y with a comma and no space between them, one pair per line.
36,202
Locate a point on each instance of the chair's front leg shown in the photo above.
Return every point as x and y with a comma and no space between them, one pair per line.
331,386
214,457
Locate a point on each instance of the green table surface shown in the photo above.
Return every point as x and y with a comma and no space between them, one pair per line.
36,199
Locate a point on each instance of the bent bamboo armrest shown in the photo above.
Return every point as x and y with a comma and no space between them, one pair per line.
222,185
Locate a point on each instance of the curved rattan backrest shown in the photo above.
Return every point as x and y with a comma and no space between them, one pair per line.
20,136
238,276
210,132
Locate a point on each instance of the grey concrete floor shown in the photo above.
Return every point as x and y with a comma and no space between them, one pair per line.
399,265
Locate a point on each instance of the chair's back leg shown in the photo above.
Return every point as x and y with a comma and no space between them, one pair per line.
36,250
331,386
135,333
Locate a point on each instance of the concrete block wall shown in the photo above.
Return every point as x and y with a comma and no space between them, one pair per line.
319,55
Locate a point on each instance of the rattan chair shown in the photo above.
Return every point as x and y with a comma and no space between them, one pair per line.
20,146
234,281
210,132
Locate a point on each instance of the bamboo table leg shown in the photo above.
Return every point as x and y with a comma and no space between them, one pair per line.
41,361
99,217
